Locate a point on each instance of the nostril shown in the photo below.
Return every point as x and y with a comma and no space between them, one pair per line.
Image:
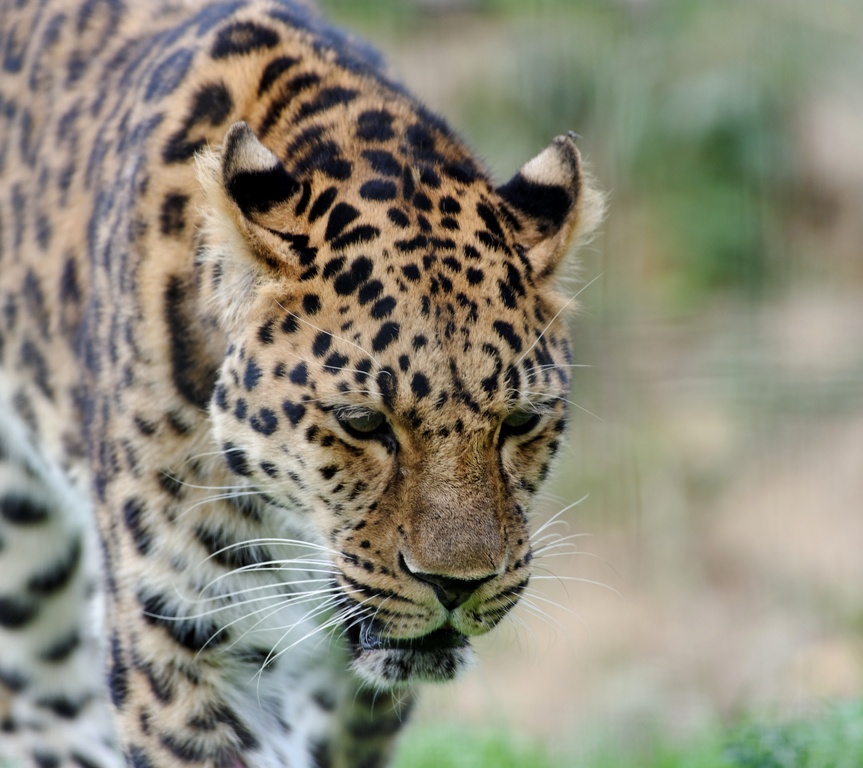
451,592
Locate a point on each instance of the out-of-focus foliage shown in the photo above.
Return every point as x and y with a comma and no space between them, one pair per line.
833,739
688,109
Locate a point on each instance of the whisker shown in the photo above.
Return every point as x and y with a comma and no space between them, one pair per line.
557,314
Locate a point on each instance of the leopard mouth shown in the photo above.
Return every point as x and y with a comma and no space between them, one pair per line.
387,662
446,637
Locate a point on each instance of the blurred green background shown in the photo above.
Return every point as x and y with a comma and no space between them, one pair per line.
723,468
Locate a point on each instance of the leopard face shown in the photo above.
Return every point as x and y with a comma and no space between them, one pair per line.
405,391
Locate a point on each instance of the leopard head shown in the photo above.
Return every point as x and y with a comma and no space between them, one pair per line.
397,370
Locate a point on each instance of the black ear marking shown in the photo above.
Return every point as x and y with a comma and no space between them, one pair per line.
545,191
254,178
547,205
550,204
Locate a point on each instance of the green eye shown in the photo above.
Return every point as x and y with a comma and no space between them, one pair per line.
362,423
519,422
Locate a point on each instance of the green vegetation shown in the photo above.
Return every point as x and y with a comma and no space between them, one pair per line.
832,740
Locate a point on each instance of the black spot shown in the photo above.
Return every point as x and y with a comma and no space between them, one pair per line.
513,278
491,221
61,649
63,706
399,218
422,141
383,162
118,674
420,385
275,69
342,215
311,304
383,308
294,411
429,177
326,158
329,471
170,484
449,205
299,374
375,125
322,203
168,74
422,201
194,634
325,99
369,292
471,252
16,612
243,37
290,324
269,469
378,189
414,244
360,271
172,219
14,681
265,332
321,344
387,334
265,421
137,758
142,538
453,264
507,295
23,511
193,376
236,459
212,105
465,171
305,196
252,375
286,95
355,236
59,574
411,272
419,341
508,334
387,382
45,759
335,362
220,398
333,267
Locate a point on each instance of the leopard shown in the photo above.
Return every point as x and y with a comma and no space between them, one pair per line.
282,372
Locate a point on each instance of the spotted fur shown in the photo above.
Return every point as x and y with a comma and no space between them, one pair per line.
265,319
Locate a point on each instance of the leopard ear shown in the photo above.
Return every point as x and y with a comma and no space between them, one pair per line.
250,194
252,238
553,203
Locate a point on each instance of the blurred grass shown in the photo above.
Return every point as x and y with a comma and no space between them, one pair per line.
832,739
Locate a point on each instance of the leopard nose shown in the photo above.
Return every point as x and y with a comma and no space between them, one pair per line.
450,591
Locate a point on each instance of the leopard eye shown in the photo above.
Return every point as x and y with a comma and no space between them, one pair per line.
363,423
519,422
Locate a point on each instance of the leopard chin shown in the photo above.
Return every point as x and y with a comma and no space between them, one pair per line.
386,663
